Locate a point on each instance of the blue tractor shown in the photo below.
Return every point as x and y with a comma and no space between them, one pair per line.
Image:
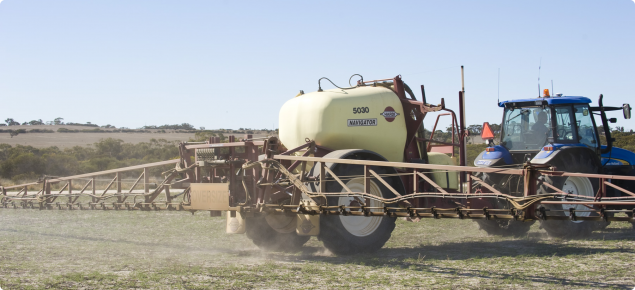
558,131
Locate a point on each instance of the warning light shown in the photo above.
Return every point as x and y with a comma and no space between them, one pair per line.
545,93
547,148
487,133
490,149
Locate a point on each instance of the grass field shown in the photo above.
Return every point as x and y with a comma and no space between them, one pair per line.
68,140
177,250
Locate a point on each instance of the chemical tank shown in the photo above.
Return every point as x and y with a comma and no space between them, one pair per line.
366,117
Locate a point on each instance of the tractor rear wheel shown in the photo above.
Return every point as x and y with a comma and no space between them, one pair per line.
584,186
502,227
265,237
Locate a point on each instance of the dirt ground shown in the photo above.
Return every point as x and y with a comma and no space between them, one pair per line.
178,250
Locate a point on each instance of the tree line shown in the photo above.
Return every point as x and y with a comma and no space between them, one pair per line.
57,121
182,126
27,163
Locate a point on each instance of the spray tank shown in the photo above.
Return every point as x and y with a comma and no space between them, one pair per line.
368,116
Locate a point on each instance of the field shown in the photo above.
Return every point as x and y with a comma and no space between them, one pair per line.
178,250
67,140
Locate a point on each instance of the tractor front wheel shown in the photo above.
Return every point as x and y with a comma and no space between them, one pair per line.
502,227
576,185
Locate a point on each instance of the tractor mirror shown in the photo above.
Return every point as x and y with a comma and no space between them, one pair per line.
627,111
585,112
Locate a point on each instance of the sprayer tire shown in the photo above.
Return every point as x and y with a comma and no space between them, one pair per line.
506,228
566,229
501,227
336,231
265,237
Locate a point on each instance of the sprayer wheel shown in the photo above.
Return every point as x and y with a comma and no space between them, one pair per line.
575,185
266,238
505,228
347,235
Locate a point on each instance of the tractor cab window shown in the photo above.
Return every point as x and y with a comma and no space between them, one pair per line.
564,124
586,129
525,128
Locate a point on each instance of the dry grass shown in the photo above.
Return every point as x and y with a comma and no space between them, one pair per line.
68,140
177,250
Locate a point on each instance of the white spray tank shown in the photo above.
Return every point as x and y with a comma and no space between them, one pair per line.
367,117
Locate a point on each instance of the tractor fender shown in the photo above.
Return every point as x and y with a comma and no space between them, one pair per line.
500,156
545,157
618,156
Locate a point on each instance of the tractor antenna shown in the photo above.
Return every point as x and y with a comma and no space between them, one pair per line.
539,65
498,97
552,92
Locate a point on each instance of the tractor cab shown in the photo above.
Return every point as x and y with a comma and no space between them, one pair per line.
533,129
529,127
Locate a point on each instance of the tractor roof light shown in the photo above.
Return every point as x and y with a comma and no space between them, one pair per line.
545,93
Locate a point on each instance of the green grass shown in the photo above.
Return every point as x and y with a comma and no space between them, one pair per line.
177,250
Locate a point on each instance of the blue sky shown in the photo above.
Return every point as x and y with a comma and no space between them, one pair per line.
231,64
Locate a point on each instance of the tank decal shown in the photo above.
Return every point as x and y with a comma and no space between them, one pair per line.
486,162
361,122
614,162
390,114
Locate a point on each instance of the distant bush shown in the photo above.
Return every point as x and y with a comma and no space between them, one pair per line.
88,124
473,150
96,130
64,130
131,131
27,163
624,140
184,126
201,136
41,131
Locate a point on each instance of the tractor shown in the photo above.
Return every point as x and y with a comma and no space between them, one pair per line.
560,133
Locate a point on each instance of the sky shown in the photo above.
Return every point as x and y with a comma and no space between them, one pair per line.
232,64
